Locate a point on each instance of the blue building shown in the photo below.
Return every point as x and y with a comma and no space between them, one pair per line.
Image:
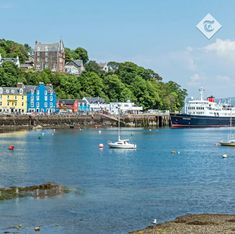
83,106
41,98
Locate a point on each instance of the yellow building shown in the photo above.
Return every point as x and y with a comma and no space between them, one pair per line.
13,100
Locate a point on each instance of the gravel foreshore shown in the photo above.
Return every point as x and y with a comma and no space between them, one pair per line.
194,224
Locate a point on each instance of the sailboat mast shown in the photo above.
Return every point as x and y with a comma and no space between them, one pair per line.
118,124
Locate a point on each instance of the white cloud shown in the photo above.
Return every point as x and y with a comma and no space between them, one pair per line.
224,48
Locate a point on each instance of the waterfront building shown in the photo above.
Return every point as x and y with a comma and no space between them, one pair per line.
83,106
74,67
67,106
41,98
13,100
96,104
124,108
49,56
15,61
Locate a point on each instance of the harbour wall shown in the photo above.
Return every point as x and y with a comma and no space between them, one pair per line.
90,120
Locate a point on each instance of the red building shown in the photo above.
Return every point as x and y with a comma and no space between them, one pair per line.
68,105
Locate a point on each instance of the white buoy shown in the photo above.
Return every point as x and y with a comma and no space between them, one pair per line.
99,131
154,221
37,229
224,156
101,146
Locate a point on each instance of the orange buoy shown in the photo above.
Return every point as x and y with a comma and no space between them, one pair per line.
11,147
101,146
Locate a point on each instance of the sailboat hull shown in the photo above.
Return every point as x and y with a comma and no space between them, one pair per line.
227,143
199,121
115,145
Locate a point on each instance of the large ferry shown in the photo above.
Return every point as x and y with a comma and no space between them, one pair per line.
204,113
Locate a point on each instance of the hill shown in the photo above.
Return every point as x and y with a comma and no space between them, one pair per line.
125,81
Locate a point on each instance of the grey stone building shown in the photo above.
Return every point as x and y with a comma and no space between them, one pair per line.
49,56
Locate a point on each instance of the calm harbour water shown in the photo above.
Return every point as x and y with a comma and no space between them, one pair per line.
116,191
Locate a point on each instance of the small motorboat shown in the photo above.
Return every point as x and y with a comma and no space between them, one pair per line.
122,144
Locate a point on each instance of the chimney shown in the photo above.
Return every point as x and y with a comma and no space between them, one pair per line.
20,85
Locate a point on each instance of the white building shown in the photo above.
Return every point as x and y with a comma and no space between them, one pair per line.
96,104
16,60
74,67
124,108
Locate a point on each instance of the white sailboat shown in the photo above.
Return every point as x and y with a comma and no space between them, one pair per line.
230,141
121,143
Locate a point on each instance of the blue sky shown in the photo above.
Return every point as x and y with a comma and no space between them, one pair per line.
160,35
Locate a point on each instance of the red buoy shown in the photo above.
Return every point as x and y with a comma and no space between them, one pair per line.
11,147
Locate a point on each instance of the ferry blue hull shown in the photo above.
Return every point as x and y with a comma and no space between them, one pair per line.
191,121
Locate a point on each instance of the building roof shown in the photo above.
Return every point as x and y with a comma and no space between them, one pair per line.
58,46
29,88
76,63
67,101
95,100
11,91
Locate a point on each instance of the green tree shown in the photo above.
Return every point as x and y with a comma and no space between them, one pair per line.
92,66
116,90
81,53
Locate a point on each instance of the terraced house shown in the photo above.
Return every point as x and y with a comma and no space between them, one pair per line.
13,100
41,98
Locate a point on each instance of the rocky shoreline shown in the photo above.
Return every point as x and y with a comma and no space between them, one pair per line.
194,224
37,191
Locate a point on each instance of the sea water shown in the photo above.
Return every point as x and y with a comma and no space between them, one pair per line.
171,173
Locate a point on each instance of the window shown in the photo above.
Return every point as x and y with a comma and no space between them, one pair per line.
8,96
15,103
45,98
45,104
0,103
37,98
45,92
7,91
15,97
8,103
22,98
32,99
32,104
37,104
37,92
51,98
22,104
51,104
